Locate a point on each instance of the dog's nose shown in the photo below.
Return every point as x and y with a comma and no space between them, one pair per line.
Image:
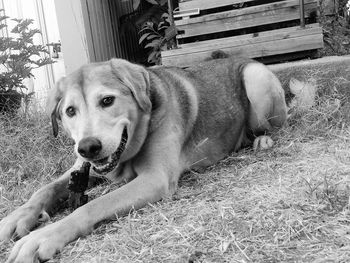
89,147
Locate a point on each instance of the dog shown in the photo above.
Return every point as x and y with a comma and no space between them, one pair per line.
172,120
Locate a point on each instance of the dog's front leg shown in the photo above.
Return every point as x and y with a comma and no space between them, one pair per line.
25,218
42,244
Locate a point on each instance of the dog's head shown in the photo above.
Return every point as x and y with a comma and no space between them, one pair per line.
101,106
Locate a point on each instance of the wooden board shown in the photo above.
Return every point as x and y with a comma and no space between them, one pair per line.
244,18
279,41
208,4
292,4
284,33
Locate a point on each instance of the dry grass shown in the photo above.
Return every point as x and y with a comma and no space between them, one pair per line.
289,204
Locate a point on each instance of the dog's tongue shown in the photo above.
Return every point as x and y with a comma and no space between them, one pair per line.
113,163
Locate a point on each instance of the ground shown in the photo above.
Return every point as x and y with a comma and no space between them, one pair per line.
287,204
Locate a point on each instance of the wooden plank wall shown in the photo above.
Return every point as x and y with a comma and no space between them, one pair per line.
243,18
256,29
208,4
268,43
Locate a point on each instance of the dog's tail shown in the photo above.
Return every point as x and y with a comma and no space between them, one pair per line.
304,95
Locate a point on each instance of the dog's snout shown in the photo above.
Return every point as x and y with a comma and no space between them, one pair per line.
89,147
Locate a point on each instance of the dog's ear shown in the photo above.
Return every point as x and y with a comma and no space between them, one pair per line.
53,104
136,78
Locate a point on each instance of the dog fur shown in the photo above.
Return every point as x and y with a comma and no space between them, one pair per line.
176,120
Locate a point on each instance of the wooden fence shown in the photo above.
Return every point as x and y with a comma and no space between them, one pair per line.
258,29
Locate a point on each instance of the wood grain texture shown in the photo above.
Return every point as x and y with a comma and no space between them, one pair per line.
208,4
244,18
267,43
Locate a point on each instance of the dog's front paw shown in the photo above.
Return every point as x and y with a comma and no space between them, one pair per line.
262,143
20,222
40,245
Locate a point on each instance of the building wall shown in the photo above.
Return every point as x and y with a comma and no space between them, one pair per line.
74,35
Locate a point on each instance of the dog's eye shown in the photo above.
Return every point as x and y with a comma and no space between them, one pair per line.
70,111
107,101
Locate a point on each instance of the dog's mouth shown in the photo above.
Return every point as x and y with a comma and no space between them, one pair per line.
108,164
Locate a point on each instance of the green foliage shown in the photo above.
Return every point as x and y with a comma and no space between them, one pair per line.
153,37
19,55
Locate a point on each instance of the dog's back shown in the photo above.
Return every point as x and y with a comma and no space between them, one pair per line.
215,109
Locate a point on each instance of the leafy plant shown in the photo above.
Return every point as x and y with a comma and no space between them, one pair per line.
19,55
154,36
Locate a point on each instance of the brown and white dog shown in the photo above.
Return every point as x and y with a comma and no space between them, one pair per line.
173,120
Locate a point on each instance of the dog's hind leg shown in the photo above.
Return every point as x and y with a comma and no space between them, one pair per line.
268,108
